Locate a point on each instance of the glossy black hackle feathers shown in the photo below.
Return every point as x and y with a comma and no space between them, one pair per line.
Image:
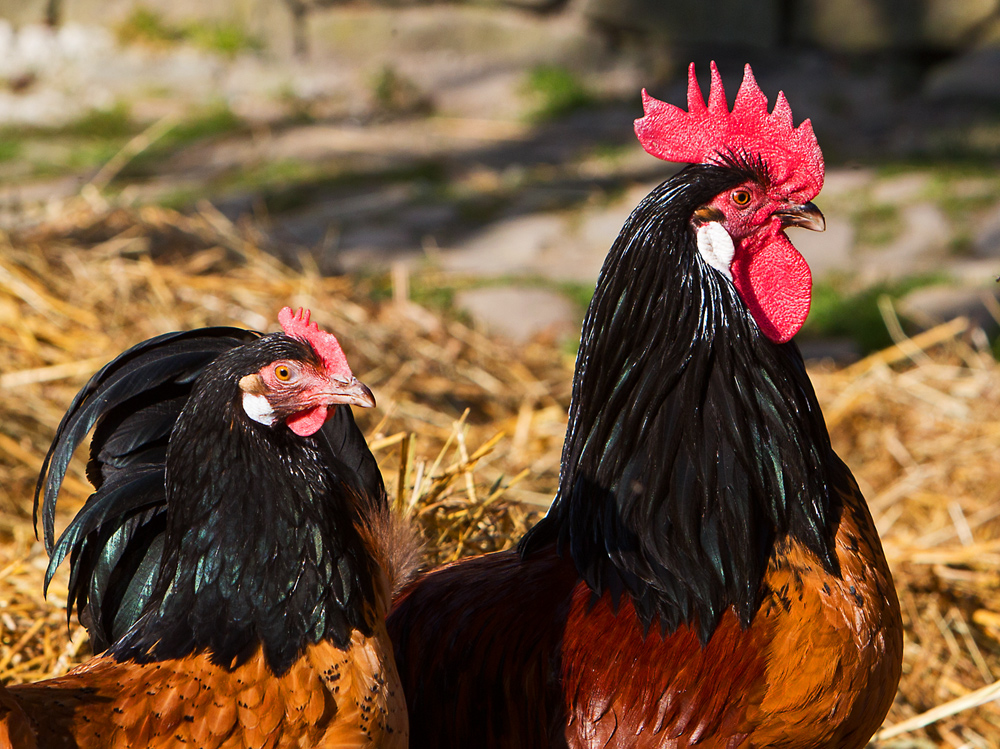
247,505
694,442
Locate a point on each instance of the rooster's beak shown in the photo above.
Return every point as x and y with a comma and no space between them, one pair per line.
351,393
807,216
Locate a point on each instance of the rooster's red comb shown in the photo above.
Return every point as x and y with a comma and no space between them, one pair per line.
297,325
707,132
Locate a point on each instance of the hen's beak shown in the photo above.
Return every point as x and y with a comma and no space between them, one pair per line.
807,216
350,392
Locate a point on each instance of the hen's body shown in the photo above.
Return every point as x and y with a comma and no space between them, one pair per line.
708,575
238,570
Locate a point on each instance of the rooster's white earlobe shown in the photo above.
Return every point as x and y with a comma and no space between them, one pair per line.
716,247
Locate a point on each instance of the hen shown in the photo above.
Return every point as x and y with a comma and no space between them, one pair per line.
709,574
236,558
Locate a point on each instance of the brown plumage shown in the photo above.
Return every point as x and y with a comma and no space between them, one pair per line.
531,659
328,698
237,558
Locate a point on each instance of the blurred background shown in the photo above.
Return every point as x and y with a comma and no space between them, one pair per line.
494,139
441,181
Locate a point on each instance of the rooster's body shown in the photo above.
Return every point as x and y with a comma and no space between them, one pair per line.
236,558
709,574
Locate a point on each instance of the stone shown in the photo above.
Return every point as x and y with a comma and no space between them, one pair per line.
840,351
562,246
933,305
973,76
747,23
881,25
919,249
951,24
511,246
840,182
520,313
986,243
901,189
829,252
847,25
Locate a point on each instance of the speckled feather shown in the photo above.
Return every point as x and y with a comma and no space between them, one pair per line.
328,698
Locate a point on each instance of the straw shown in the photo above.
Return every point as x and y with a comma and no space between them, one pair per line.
468,431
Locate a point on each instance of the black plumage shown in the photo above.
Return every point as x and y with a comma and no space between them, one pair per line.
694,442
207,529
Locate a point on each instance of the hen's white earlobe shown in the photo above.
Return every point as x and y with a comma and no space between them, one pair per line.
258,409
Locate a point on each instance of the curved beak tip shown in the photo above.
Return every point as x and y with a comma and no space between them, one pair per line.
362,394
806,216
352,393
368,398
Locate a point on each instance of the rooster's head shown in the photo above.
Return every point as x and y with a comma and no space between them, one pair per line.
740,232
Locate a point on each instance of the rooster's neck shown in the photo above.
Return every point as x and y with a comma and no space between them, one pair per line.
261,546
694,442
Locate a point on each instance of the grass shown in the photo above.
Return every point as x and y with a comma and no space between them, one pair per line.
80,145
212,122
556,92
293,184
228,39
878,224
290,184
10,149
146,26
395,93
113,123
98,135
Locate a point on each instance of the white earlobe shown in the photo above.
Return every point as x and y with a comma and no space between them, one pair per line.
716,246
259,409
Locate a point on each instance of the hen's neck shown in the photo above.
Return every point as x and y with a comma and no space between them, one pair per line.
261,546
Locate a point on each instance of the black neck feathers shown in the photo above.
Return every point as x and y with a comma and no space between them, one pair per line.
694,442
260,546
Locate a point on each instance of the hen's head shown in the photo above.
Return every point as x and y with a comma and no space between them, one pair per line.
740,232
305,374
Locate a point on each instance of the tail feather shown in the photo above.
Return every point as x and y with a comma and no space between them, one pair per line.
131,404
175,358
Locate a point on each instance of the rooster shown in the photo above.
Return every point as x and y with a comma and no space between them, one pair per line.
236,560
709,574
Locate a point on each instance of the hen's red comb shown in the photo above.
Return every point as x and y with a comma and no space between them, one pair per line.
297,325
706,133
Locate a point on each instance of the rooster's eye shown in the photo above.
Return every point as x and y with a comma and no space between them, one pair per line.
741,197
283,373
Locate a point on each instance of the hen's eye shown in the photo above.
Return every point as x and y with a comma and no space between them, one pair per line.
741,197
283,373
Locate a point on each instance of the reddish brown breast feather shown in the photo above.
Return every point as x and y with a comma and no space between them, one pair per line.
705,132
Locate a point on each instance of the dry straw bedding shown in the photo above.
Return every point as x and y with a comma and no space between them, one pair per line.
468,432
